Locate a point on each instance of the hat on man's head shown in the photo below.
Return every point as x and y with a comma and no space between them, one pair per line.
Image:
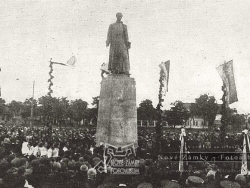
81,159
240,178
84,168
91,173
71,173
6,141
57,166
96,160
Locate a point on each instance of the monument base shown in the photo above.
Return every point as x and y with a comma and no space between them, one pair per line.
117,114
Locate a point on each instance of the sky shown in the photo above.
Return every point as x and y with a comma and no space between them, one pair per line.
195,35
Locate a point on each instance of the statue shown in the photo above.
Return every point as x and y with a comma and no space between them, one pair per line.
119,45
117,115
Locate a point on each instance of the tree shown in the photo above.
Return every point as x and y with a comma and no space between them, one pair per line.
26,108
15,108
47,107
91,114
206,107
177,115
234,118
3,110
64,107
2,106
52,108
60,108
78,108
146,111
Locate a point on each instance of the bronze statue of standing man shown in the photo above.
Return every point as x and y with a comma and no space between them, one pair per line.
119,45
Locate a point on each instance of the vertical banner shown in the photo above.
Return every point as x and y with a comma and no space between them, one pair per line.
165,66
183,150
104,159
245,165
226,72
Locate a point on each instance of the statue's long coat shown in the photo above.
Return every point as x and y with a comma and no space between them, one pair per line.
118,55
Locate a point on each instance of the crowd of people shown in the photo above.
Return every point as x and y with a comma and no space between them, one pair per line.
47,157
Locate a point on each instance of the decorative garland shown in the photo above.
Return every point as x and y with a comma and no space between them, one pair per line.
159,127
70,62
50,79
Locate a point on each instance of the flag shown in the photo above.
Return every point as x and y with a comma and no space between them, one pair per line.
165,68
104,159
245,165
72,61
227,74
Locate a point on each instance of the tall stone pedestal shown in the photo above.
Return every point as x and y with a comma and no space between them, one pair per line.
117,115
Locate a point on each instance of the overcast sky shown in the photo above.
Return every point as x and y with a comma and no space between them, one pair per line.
196,36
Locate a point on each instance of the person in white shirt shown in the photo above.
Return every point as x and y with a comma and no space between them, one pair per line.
25,148
55,152
35,150
31,150
44,150
50,152
91,149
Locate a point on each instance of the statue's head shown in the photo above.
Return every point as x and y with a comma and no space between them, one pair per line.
119,16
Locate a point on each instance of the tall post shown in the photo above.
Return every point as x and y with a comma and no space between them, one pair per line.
224,113
159,127
49,115
71,61
50,91
51,77
32,106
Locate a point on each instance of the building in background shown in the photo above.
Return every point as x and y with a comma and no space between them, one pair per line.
198,122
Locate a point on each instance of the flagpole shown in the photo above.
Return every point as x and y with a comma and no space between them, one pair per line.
224,117
158,127
32,106
226,72
71,61
164,76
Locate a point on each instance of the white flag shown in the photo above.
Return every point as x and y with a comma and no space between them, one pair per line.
72,61
245,152
165,68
